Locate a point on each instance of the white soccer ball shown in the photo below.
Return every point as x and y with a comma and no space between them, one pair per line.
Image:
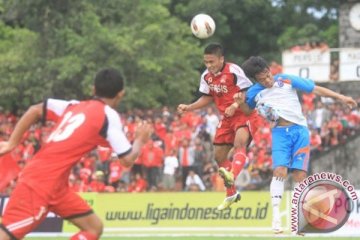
202,26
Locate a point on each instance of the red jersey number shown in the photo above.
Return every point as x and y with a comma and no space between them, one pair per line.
67,126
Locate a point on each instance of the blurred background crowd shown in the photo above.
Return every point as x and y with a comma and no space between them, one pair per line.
180,155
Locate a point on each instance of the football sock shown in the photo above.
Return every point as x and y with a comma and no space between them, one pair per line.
225,164
84,236
276,192
230,191
239,161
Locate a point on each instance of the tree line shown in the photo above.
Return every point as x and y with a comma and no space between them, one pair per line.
54,48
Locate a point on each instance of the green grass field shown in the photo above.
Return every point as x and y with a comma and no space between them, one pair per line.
202,238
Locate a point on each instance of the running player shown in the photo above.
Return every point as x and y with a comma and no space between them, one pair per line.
80,127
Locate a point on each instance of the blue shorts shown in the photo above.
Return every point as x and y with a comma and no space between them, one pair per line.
291,147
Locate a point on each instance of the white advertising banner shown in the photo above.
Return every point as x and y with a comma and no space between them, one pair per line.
349,69
314,64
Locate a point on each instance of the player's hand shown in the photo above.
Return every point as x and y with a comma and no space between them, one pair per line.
182,108
239,97
144,131
230,110
349,101
5,147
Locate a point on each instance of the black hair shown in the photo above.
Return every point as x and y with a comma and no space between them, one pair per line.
214,48
108,83
253,66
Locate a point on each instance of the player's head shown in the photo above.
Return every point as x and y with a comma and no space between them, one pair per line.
109,83
258,69
214,57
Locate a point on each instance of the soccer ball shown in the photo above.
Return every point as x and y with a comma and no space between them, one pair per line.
202,26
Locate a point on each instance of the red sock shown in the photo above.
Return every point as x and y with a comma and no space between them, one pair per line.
230,191
239,160
225,164
84,236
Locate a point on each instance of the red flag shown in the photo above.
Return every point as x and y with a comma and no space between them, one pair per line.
9,170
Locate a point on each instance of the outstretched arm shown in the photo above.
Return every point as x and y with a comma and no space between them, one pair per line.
200,103
325,92
31,116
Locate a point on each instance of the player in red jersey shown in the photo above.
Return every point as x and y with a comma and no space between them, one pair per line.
218,83
80,127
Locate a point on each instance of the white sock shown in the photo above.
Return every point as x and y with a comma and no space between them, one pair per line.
276,192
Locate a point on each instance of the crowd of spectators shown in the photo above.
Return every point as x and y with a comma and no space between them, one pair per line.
180,155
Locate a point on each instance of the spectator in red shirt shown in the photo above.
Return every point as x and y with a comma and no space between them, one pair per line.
137,184
97,184
152,158
315,142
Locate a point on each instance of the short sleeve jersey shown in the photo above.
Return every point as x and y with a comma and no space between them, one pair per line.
281,100
80,127
223,85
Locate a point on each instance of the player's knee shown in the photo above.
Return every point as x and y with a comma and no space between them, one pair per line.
280,172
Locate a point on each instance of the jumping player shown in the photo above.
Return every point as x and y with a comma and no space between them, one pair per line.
275,98
218,83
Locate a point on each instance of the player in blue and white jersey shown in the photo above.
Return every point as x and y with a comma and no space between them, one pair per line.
275,98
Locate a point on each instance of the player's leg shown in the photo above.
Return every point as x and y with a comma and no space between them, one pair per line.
70,206
90,227
232,196
239,158
301,154
281,155
23,213
221,157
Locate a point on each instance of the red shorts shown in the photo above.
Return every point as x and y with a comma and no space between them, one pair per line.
225,133
26,209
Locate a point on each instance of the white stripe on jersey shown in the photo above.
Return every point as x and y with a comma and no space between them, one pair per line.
242,80
115,134
58,106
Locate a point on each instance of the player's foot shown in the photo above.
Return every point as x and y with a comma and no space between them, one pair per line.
276,227
227,176
228,201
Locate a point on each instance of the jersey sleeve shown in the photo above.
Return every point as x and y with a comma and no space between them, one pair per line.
299,83
115,134
251,95
241,80
204,87
54,108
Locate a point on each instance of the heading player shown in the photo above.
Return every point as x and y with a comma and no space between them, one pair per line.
275,98
218,83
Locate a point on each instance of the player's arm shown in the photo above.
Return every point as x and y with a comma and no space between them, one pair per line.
203,101
31,116
307,85
325,92
240,102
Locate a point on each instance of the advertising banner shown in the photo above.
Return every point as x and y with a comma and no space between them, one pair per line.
181,211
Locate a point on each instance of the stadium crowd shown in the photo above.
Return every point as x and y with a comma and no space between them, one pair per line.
180,155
